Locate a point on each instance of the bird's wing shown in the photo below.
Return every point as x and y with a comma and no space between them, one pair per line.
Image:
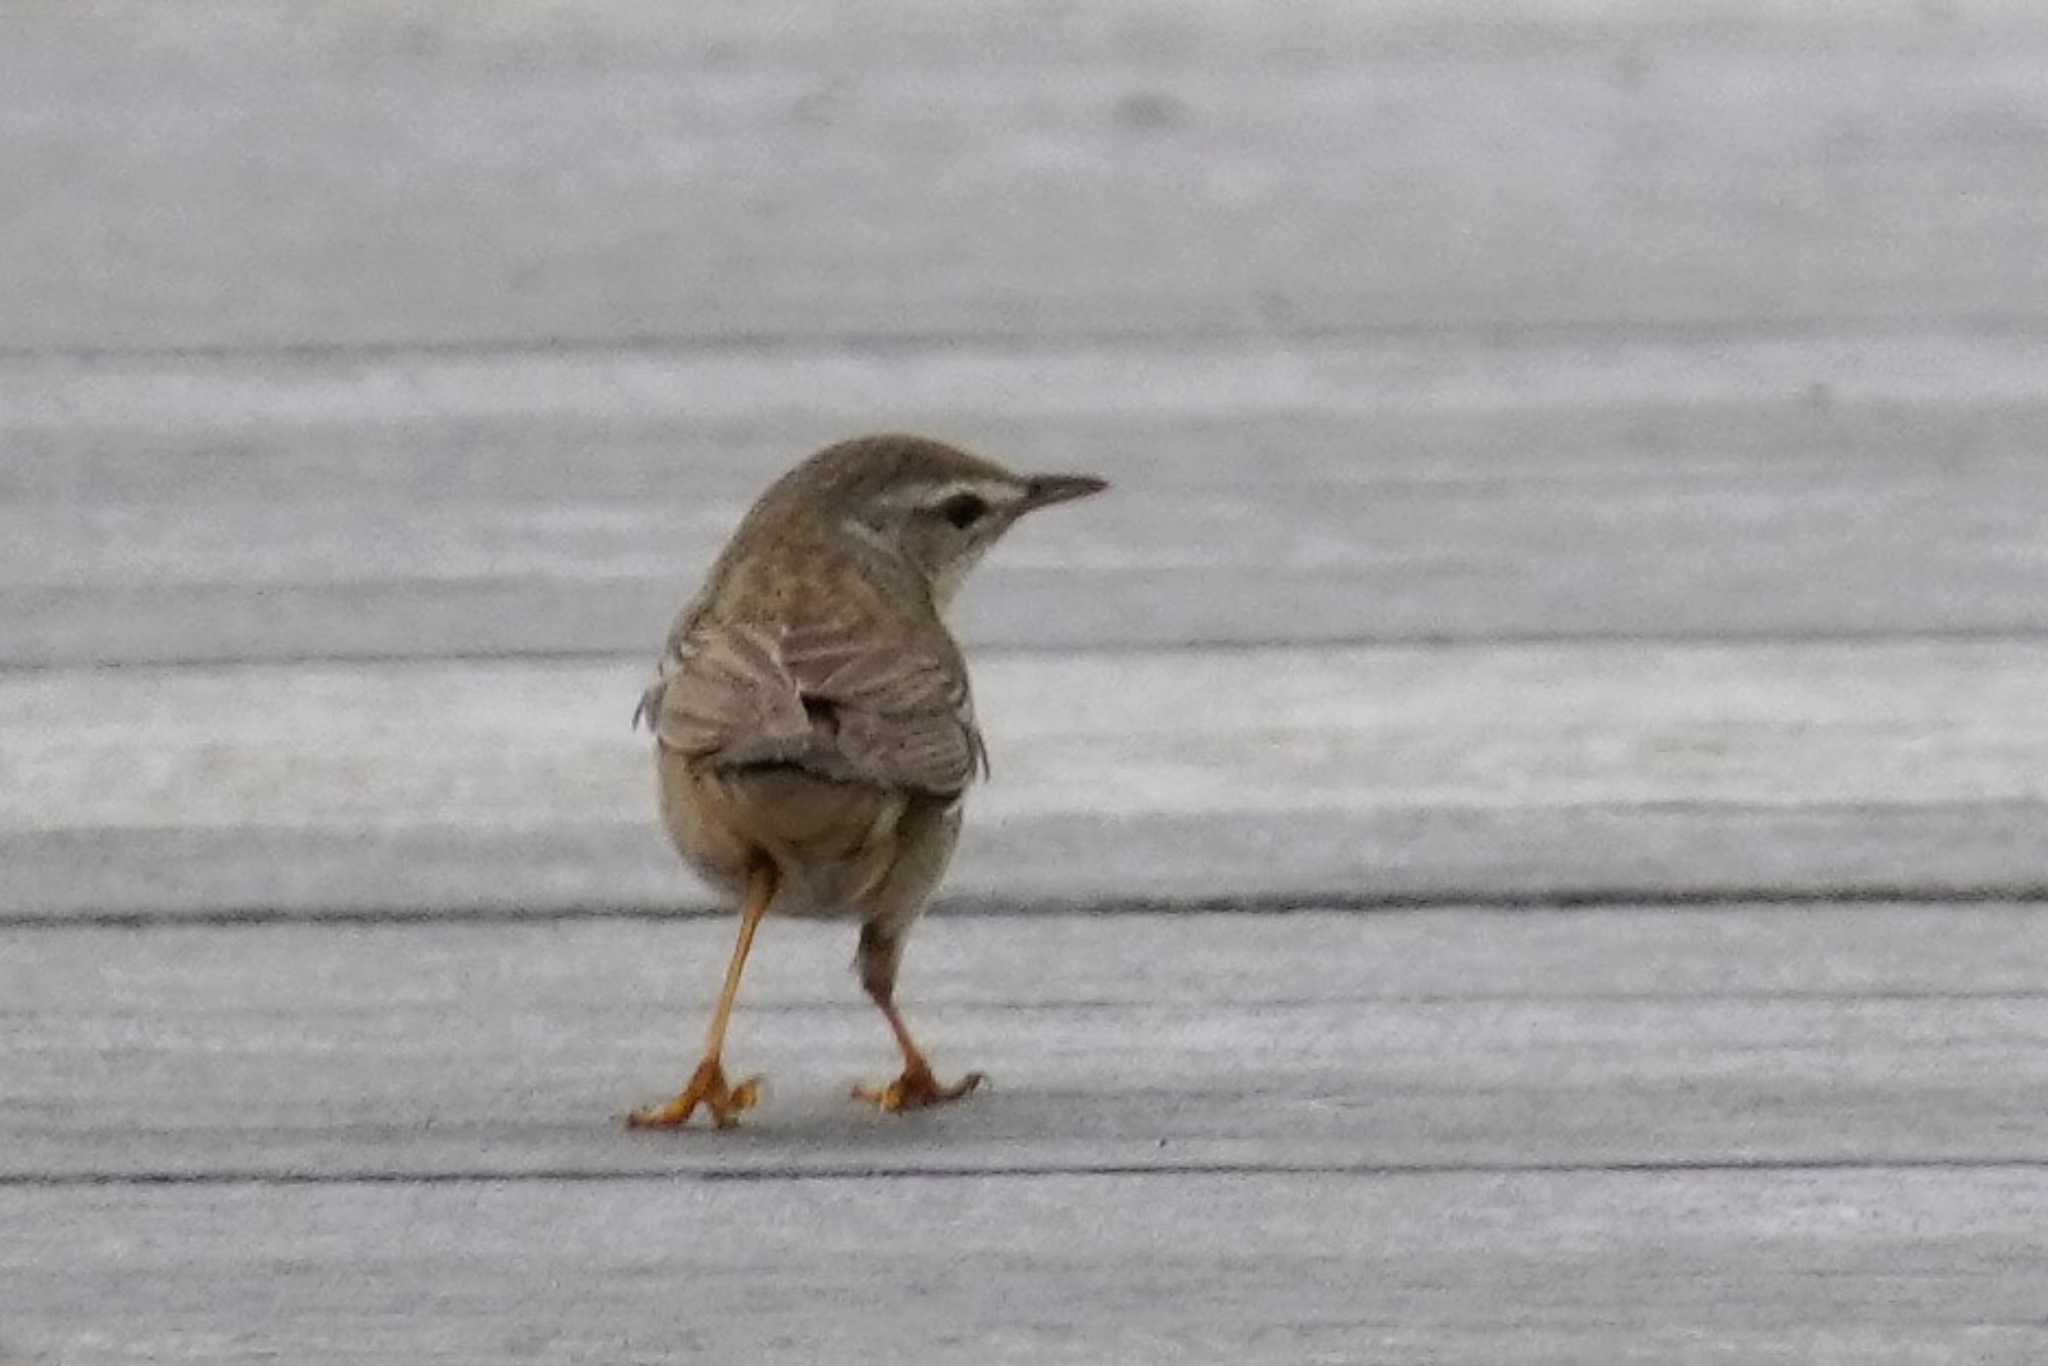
829,699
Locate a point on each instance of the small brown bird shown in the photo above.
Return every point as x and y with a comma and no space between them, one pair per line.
814,730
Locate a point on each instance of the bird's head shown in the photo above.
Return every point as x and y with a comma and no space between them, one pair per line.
921,503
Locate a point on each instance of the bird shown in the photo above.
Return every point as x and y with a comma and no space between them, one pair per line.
814,727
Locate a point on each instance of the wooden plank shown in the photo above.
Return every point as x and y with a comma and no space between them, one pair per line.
1845,1269
1457,410
1311,1041
1410,490
1498,771
1724,1136
1297,773
221,174
1531,856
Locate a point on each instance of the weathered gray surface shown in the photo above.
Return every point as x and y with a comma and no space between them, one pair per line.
1591,450
1396,491
1312,1040
1716,1136
1841,1267
1853,767
245,175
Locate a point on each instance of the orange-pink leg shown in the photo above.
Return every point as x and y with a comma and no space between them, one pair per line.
707,1085
917,1087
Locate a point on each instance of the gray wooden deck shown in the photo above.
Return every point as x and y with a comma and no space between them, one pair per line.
1516,835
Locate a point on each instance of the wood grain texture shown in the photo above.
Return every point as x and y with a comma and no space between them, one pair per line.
409,507
225,174
1846,1269
1496,771
1721,1136
1312,1040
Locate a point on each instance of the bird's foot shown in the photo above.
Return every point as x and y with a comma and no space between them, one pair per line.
707,1088
915,1089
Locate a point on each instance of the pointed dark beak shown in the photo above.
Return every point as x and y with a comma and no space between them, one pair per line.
1043,490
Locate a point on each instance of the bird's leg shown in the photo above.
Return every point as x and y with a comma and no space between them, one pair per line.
917,1087
707,1085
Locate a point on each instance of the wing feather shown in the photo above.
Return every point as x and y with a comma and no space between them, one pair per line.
832,700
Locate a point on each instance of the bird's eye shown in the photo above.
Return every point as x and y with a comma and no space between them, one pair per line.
963,510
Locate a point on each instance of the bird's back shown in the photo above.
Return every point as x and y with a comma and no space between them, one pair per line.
807,708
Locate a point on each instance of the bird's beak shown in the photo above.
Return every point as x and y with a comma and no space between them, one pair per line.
1043,490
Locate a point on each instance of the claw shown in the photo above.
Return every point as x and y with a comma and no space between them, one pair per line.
914,1090
708,1087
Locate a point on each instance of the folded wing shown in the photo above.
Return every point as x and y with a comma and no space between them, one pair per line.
831,700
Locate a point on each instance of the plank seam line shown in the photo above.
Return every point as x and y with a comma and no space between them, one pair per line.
2020,896
1494,335
1010,1172
2017,634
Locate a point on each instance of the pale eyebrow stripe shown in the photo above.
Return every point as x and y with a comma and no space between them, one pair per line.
990,491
